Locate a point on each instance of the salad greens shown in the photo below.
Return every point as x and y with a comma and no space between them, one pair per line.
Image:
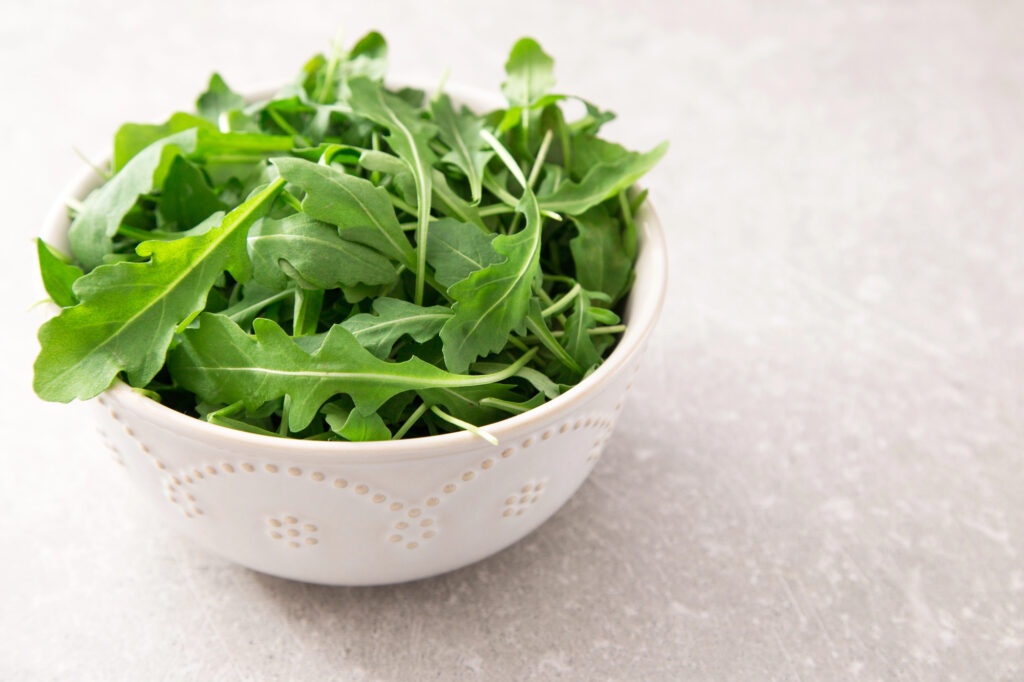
348,261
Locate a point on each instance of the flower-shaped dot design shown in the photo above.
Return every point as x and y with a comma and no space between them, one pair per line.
293,532
518,502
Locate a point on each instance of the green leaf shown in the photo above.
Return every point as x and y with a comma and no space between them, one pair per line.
394,318
316,257
368,57
409,137
254,299
457,250
577,340
353,425
222,364
93,229
598,253
492,302
461,132
530,73
535,378
454,205
602,181
129,311
349,202
132,138
464,403
537,325
58,274
218,99
187,199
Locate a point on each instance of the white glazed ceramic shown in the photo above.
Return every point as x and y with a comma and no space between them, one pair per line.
383,512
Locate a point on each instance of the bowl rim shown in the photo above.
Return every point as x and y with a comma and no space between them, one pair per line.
651,241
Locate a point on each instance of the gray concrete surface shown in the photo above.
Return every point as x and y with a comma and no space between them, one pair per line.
819,476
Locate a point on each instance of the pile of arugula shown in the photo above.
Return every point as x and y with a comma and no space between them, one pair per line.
349,262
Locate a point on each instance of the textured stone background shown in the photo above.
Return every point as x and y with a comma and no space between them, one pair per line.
820,476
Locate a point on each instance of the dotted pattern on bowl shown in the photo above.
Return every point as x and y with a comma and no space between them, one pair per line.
292,531
412,526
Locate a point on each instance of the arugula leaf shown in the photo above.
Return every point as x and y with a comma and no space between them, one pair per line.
132,138
187,199
409,137
535,378
220,363
92,231
530,73
349,202
598,253
218,99
355,426
316,257
461,132
457,250
129,311
454,205
492,302
577,339
602,181
374,193
255,298
464,403
58,274
395,318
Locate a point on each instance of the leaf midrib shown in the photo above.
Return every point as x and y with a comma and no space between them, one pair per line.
399,320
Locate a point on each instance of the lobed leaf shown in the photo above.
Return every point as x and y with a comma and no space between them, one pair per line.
129,311
461,132
598,254
58,274
92,231
493,301
457,250
316,257
395,318
602,181
222,364
349,202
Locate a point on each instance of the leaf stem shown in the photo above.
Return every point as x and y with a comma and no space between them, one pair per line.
541,156
226,411
534,172
455,421
286,407
332,66
562,303
104,175
505,157
413,418
259,305
308,303
291,200
398,203
597,331
141,235
495,209
514,408
497,190
547,339
284,125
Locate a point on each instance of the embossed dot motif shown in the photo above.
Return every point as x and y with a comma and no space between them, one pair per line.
518,502
292,531
412,525
115,454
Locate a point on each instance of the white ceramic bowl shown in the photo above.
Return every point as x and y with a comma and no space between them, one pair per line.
381,512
